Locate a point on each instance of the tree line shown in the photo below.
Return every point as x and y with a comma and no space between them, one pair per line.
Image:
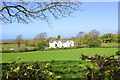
91,39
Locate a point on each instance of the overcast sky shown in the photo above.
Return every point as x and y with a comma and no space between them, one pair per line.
102,16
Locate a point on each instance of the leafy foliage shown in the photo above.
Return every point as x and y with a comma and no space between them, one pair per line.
26,42
29,71
92,39
94,43
105,68
58,38
60,69
79,38
40,41
118,38
109,37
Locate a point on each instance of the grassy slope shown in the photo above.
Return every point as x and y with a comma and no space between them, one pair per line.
70,54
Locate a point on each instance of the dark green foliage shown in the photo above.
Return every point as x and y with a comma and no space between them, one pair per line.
64,48
109,37
92,39
94,43
118,38
58,38
118,53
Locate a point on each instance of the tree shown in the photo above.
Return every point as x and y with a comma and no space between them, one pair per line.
118,38
41,44
92,39
94,34
26,42
34,42
19,40
85,39
24,12
58,38
79,38
42,35
80,34
41,40
109,37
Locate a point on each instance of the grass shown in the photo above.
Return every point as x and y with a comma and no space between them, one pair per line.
66,62
14,46
60,55
109,44
9,46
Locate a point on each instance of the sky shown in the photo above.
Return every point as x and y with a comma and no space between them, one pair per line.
101,16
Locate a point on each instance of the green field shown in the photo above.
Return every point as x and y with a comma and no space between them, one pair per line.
109,44
66,62
69,54
14,46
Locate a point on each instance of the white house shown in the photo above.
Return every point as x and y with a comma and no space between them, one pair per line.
61,43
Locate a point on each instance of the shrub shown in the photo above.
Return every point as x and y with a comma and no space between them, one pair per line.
26,50
28,71
35,49
7,50
78,47
94,44
102,68
23,50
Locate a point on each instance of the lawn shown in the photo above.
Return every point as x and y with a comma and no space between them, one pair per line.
59,55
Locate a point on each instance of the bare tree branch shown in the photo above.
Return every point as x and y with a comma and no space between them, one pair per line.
25,12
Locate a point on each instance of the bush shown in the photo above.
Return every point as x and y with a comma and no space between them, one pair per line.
23,50
75,47
35,49
94,44
102,68
28,71
7,50
78,47
26,50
